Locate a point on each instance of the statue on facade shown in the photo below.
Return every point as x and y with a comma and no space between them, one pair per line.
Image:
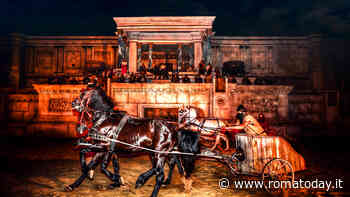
139,53
179,57
190,54
150,61
123,47
206,49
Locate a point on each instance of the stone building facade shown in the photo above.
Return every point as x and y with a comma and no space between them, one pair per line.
28,61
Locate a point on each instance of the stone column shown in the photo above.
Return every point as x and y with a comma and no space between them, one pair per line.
15,66
283,107
283,92
316,67
197,53
132,56
60,59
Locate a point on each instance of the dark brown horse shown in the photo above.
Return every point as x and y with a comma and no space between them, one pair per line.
157,135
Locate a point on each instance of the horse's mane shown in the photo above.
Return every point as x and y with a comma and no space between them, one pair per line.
100,101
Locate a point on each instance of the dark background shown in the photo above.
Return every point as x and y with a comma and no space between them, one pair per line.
234,18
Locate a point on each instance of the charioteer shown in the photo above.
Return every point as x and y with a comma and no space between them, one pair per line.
248,123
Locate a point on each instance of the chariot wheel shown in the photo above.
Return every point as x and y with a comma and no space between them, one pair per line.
233,162
233,167
277,175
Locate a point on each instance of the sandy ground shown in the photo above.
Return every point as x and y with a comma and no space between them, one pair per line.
29,168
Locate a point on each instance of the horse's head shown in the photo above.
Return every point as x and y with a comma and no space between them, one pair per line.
83,116
187,114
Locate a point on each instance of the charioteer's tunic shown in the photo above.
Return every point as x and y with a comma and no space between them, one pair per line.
251,126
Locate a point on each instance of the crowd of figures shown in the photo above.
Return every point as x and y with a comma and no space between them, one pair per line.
233,71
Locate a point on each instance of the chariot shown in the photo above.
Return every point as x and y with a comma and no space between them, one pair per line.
271,158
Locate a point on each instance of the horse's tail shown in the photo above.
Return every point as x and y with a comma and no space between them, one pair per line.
188,142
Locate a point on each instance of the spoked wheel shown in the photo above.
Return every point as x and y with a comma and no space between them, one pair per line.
233,166
277,175
233,162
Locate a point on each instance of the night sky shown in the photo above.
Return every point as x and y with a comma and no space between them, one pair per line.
237,18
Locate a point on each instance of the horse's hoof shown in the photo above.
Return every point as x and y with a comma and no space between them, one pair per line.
91,175
165,183
101,188
68,188
138,185
113,185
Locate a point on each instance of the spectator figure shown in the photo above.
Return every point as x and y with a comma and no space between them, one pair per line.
201,68
208,78
175,78
217,72
246,81
143,78
191,69
132,78
86,80
198,79
127,78
208,70
73,81
186,79
121,78
142,69
164,72
124,67
232,79
156,71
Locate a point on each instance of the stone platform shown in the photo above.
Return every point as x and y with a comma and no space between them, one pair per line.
46,111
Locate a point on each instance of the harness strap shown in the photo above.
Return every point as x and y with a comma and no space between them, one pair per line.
120,126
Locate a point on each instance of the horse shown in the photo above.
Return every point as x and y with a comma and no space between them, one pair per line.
136,135
209,129
197,134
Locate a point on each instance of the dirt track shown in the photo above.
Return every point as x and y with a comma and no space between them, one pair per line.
30,169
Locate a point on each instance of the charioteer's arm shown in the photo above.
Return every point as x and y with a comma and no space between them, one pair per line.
237,127
245,123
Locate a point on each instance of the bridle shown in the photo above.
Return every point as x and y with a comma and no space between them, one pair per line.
184,115
83,111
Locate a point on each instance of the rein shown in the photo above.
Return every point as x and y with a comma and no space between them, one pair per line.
106,139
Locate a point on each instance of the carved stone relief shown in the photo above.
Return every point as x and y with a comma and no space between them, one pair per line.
45,58
102,55
73,58
306,108
59,105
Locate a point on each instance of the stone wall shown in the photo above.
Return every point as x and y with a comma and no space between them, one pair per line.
133,98
271,100
296,58
266,56
70,56
35,58
32,59
17,111
307,108
49,111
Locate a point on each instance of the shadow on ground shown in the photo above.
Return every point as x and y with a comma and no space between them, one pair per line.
42,167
